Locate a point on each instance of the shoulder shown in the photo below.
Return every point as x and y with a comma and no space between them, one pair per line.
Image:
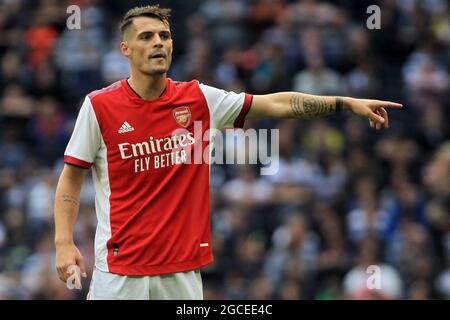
187,89
193,84
106,91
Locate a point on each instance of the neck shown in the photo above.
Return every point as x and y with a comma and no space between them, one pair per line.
147,87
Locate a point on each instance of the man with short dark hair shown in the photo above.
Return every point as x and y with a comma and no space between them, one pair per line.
152,203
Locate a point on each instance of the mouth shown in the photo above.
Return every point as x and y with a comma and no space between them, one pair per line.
158,55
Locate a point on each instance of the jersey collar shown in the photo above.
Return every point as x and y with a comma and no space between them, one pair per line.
136,97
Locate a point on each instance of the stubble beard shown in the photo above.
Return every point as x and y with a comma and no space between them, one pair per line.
156,71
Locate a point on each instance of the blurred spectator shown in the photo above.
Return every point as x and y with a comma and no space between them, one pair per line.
246,189
224,18
437,171
270,73
334,258
13,70
316,78
114,65
45,82
49,130
263,13
78,53
40,39
15,103
367,218
443,282
292,245
40,202
390,285
12,148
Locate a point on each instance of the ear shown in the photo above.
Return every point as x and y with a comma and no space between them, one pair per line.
125,49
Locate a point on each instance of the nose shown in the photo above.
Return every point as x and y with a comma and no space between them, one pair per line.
158,42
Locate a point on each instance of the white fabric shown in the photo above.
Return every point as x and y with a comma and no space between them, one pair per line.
224,106
86,137
87,144
102,207
174,286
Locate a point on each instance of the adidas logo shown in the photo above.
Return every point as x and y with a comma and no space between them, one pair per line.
125,128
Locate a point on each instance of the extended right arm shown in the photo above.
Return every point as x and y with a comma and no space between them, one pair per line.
67,203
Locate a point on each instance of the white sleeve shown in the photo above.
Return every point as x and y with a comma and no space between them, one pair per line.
227,108
86,138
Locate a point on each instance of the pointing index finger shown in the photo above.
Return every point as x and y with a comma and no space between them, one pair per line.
390,104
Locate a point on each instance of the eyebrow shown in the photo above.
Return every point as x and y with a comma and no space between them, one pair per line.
153,32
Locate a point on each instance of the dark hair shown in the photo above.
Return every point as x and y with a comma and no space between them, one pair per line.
154,11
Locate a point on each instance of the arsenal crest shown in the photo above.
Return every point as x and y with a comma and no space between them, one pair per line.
182,115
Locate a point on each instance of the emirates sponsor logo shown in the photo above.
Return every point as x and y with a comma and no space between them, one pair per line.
182,116
158,153
231,146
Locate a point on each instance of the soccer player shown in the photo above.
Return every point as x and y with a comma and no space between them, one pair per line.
152,204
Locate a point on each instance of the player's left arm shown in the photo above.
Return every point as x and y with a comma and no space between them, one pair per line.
286,105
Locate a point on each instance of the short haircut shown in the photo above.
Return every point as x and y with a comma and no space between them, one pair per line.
154,11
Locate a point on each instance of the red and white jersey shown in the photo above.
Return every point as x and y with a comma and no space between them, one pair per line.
152,207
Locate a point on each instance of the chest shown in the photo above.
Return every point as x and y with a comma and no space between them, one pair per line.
128,123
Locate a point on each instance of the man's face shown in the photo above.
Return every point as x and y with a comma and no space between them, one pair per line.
148,45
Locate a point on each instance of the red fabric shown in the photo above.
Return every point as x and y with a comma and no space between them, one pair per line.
158,216
240,120
40,41
77,162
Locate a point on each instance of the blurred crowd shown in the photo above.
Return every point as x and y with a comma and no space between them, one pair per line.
346,197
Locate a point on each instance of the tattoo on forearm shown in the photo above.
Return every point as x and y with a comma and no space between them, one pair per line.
339,104
307,107
69,198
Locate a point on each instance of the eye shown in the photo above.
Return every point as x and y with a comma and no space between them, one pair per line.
165,36
146,36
